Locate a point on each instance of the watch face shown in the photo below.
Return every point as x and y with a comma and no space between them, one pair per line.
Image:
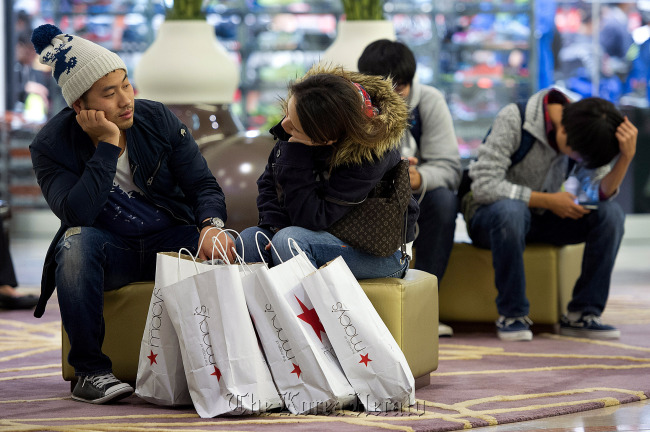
216,222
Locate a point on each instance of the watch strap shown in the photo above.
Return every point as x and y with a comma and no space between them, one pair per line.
215,222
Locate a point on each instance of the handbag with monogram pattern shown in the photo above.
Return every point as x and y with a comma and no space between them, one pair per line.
377,225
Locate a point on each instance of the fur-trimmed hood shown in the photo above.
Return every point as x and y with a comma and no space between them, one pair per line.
393,112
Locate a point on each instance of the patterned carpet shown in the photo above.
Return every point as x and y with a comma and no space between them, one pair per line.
481,381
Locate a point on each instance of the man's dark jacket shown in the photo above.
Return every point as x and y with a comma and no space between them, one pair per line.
76,178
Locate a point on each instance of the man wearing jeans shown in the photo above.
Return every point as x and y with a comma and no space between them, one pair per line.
530,201
432,150
127,181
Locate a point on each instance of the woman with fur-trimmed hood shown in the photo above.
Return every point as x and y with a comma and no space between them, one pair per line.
339,136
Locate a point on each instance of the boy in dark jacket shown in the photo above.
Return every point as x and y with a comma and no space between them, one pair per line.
127,181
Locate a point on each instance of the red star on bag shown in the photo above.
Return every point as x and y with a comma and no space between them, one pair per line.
296,370
217,373
364,359
152,358
310,317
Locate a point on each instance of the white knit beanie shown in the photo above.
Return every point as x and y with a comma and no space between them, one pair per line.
76,62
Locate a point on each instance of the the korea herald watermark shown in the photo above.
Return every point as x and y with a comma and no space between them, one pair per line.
328,408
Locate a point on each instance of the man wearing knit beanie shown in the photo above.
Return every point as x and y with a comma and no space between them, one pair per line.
127,180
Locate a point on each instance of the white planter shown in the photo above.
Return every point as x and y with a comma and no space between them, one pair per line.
352,38
186,64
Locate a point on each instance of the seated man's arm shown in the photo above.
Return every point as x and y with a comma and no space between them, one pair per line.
627,135
439,157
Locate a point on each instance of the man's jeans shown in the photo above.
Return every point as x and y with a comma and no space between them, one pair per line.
91,261
436,229
507,225
320,247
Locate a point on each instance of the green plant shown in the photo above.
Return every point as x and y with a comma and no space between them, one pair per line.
356,10
185,10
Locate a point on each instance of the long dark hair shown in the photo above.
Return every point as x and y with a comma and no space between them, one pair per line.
330,108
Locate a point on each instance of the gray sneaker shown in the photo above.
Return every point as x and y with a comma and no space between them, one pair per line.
514,329
99,389
588,326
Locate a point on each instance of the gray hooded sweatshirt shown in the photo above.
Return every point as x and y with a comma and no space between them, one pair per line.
542,169
439,159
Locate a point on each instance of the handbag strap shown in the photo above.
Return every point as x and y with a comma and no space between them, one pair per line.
342,202
398,174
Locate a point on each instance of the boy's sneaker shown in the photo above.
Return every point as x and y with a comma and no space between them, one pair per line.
99,389
588,326
514,329
444,330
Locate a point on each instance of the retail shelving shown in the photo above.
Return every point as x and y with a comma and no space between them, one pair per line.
487,59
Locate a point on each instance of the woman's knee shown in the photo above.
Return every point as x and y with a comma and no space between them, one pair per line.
288,241
250,244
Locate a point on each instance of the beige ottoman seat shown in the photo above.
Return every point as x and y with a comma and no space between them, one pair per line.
408,306
469,292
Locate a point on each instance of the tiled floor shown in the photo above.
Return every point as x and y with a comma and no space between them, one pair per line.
633,264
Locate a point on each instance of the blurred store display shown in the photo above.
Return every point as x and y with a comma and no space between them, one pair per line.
481,54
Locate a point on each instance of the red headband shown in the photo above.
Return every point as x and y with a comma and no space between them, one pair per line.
370,110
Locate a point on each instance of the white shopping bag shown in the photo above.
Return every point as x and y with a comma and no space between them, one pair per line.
224,366
161,378
368,353
306,370
277,349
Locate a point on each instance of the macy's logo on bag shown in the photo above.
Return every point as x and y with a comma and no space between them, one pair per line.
352,337
208,354
157,308
310,316
281,340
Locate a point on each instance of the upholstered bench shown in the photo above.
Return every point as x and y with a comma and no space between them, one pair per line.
469,293
408,306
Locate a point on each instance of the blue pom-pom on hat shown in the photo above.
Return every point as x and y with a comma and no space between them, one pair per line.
42,36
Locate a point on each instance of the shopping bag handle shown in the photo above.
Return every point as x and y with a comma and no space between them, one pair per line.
191,256
220,249
257,243
240,260
203,238
294,244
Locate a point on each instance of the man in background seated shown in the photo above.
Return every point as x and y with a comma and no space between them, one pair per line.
511,205
127,181
432,150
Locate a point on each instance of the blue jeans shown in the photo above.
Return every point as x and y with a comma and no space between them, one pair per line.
437,226
507,225
91,261
320,247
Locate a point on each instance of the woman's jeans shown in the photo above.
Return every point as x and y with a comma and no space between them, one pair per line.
91,261
320,247
506,226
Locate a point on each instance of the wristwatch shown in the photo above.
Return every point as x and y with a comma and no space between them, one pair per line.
213,221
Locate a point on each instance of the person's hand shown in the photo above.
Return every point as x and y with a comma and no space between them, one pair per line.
627,134
224,243
563,204
415,177
414,174
95,124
